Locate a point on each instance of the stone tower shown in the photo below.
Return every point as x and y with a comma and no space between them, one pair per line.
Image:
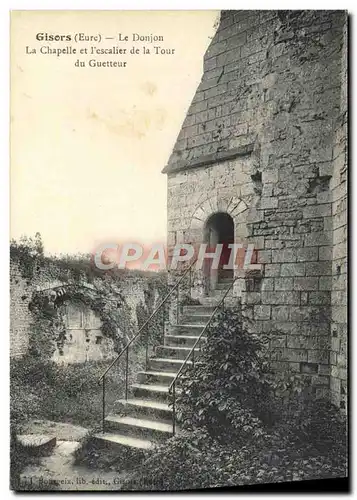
263,148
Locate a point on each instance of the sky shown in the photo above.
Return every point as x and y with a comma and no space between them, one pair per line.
88,144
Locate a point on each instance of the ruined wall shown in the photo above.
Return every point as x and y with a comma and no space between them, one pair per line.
264,139
82,342
84,337
20,316
338,355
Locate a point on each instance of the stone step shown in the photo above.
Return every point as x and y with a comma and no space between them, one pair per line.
225,274
166,364
186,329
153,377
194,319
223,285
164,351
139,428
182,340
218,293
37,444
158,393
210,301
144,408
110,439
193,310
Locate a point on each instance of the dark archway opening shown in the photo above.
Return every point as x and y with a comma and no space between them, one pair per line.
219,229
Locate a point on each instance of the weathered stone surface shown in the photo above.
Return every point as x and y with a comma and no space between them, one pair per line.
276,86
37,444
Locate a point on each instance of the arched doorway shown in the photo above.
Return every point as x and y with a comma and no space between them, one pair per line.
219,229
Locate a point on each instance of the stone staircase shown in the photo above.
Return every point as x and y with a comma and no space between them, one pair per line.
145,418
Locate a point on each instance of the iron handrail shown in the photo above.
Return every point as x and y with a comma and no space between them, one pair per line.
192,352
163,302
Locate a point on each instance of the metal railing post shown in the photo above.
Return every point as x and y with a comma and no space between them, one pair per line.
172,386
101,379
127,373
103,404
147,348
174,409
178,304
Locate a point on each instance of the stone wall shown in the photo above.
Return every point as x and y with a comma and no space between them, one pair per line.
20,316
265,140
338,355
81,343
84,337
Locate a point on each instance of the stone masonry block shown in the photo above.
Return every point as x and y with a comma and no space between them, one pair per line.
268,203
262,312
318,268
280,313
324,369
314,211
278,341
304,298
284,297
325,283
325,253
308,342
267,284
282,327
319,298
283,284
264,256
272,270
270,176
319,380
306,254
317,356
304,313
297,269
318,238
284,255
253,298
296,355
306,284
309,368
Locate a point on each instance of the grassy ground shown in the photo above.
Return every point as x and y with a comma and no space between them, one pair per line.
43,394
68,393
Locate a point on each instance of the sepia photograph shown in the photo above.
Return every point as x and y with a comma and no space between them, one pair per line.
179,250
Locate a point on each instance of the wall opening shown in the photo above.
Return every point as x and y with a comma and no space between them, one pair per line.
219,229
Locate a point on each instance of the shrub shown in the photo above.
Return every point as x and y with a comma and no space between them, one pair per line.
194,460
189,460
236,431
95,455
67,393
228,392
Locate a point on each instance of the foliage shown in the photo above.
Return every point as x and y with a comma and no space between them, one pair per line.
228,392
189,301
195,460
104,296
94,455
29,253
43,389
237,428
47,328
19,459
317,425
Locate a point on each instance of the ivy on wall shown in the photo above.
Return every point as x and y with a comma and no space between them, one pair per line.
84,284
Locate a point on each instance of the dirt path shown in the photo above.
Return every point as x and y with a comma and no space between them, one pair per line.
57,471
